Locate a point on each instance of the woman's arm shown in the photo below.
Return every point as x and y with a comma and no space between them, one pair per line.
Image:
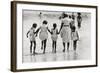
61,27
49,30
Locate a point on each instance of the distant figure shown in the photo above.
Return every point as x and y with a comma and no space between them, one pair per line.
32,34
65,31
79,20
43,35
54,36
75,37
40,15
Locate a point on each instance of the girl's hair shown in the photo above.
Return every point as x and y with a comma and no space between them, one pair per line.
34,25
79,13
54,25
45,22
70,16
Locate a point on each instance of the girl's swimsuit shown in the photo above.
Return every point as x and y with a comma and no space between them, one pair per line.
54,34
43,33
32,35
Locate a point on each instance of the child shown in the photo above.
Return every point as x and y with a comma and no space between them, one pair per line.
79,20
43,35
75,37
72,22
54,32
32,35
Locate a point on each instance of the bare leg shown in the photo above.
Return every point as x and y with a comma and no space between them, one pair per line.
64,47
30,47
34,47
75,44
68,46
55,46
52,46
41,45
44,45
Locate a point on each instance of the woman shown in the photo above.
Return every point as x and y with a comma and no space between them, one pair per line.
65,31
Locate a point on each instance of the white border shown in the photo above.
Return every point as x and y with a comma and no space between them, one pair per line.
53,64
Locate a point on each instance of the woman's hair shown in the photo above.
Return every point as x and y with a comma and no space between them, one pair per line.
64,15
45,22
34,25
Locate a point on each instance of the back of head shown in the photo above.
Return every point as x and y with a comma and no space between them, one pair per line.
45,22
79,13
70,16
54,25
34,25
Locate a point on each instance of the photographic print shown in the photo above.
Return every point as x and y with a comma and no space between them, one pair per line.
53,36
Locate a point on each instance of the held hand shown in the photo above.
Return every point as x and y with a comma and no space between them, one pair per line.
58,32
36,35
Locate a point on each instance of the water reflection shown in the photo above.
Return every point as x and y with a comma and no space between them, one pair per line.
71,55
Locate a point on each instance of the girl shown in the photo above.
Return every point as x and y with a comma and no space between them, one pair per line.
43,35
65,31
72,22
54,32
79,20
75,37
32,35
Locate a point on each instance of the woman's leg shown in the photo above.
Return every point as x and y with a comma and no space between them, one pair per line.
34,47
52,46
55,46
68,46
75,44
64,47
31,47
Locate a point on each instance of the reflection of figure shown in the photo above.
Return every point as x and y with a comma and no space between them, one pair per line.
75,37
79,20
43,35
72,56
32,36
54,36
65,31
